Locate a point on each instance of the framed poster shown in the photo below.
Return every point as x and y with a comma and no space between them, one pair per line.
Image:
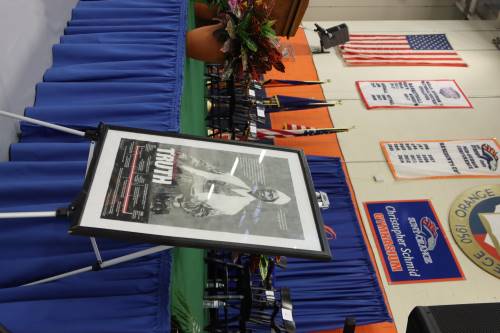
413,94
426,159
197,192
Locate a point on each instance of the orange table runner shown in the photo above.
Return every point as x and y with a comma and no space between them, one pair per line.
300,66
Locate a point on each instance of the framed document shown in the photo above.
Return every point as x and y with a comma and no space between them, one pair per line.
196,192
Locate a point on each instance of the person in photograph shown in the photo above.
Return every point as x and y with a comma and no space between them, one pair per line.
213,192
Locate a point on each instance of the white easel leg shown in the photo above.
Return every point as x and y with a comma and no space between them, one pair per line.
107,263
24,215
43,123
16,215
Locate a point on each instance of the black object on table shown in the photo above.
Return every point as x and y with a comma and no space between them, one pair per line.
239,300
463,318
3,329
331,37
349,325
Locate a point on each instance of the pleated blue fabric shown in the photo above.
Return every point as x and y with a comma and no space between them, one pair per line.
131,297
325,293
119,62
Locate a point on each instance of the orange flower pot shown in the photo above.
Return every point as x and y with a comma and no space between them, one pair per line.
204,11
202,45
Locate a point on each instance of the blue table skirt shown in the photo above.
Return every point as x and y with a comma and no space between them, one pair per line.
325,293
120,62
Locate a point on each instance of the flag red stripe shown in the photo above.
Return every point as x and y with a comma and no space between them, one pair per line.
263,132
295,127
401,58
385,41
375,43
366,50
378,37
376,48
130,179
398,53
362,35
354,63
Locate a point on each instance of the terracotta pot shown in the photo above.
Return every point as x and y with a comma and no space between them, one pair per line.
204,11
202,45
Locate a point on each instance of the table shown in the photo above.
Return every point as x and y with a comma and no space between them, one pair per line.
364,159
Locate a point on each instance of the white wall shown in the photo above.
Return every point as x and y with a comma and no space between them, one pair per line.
365,160
324,10
28,29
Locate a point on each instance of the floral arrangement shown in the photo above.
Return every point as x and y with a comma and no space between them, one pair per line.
250,44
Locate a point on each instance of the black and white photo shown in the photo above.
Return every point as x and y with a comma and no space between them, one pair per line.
204,193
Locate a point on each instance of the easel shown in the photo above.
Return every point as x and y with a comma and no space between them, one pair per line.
66,212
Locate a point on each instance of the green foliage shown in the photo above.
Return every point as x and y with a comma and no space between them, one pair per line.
267,29
263,267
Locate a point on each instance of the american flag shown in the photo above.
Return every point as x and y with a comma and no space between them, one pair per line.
400,50
288,131
293,130
291,126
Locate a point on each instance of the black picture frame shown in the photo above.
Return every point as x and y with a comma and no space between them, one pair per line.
85,220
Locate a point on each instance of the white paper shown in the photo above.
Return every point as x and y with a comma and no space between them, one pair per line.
253,129
287,314
270,295
261,111
428,159
412,94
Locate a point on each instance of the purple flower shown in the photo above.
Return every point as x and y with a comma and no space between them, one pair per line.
234,5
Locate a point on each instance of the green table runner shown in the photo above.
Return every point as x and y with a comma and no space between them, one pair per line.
188,273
